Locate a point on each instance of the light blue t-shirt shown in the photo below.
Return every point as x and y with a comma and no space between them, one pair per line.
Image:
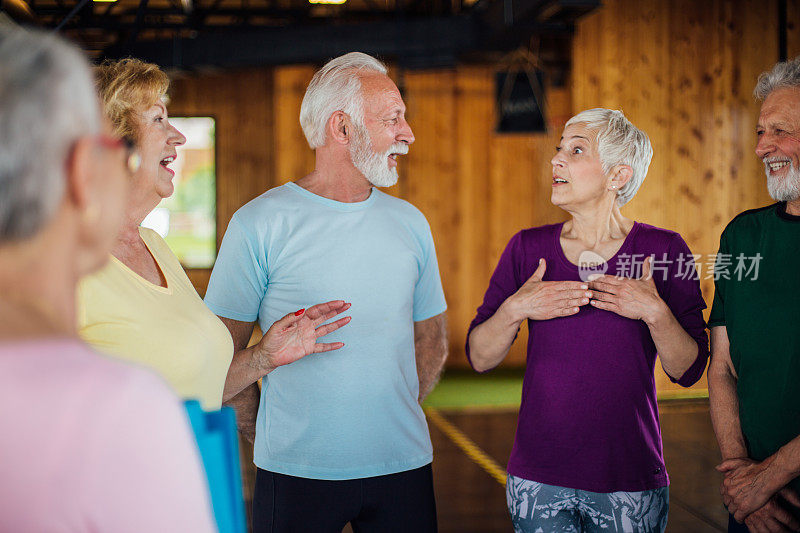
350,413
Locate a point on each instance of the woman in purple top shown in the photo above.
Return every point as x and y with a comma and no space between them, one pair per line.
602,296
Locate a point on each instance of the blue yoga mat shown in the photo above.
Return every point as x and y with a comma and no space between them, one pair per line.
215,433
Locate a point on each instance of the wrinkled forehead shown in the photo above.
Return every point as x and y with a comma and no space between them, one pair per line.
781,105
381,95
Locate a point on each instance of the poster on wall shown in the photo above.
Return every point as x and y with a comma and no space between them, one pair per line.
520,101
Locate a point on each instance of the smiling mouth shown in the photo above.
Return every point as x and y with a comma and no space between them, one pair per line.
775,166
559,180
166,161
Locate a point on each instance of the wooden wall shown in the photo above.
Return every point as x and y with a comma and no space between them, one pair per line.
684,72
681,70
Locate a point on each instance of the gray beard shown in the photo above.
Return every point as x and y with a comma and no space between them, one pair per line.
787,189
374,166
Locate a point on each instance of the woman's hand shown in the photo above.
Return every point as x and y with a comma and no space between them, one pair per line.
543,300
637,299
295,335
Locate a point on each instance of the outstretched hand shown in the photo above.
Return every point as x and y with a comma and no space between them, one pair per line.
543,300
295,335
637,299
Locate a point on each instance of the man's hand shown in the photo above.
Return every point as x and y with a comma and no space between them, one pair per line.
771,518
749,485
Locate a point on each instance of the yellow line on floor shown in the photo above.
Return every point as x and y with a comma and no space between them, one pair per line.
467,445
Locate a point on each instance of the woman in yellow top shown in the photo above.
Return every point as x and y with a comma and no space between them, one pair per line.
142,307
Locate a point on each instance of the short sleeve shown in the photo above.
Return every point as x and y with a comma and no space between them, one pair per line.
685,300
503,283
428,293
717,317
239,278
147,473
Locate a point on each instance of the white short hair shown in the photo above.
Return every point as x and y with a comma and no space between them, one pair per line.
47,102
783,75
336,87
619,142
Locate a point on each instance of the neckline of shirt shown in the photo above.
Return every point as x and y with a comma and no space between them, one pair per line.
129,271
626,244
340,206
786,216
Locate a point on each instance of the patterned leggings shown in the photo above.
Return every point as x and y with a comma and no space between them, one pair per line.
539,508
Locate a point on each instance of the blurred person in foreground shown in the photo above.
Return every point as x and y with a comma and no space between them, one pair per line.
142,307
754,376
341,437
602,295
88,444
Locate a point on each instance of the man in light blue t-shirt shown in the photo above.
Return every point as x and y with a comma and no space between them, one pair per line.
339,436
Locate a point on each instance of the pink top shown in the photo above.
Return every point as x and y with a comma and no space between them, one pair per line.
92,444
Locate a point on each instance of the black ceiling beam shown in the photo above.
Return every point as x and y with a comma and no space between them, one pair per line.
137,25
413,42
270,35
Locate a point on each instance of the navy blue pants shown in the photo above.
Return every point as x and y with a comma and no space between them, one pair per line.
399,503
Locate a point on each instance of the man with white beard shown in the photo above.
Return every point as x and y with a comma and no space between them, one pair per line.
754,376
339,437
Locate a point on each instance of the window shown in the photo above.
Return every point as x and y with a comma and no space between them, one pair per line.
187,219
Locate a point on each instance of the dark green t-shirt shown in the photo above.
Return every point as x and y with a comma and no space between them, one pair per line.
757,297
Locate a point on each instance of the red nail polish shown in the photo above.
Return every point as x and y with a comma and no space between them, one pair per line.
300,312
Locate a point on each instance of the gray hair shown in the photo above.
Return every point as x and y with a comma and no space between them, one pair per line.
782,75
619,142
47,101
336,87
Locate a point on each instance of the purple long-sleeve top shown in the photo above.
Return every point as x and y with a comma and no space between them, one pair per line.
589,416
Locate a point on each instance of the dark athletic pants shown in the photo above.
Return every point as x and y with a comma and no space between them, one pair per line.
400,503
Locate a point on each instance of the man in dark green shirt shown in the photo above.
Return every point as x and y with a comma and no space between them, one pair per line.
754,376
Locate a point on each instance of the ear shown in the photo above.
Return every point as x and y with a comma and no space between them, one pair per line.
78,174
620,175
339,127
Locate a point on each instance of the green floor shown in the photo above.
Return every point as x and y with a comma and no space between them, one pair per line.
502,389
464,389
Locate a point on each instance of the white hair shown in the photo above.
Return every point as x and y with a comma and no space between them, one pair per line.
783,75
47,101
619,142
336,87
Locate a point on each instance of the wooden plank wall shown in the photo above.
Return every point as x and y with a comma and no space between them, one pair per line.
241,103
793,28
684,72
681,70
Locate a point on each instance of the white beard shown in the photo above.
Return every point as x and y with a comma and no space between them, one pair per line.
373,165
786,189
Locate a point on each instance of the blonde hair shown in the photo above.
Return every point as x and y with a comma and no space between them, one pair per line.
128,87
